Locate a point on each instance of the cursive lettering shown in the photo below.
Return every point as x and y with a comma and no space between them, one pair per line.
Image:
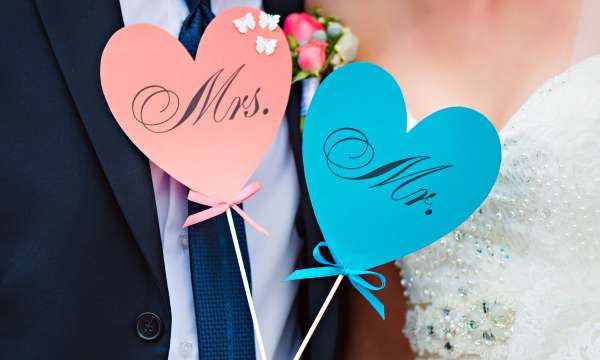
156,107
348,151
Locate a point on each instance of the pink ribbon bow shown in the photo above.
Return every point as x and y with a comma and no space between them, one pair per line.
217,207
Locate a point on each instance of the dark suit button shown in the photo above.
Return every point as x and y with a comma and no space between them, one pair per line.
148,326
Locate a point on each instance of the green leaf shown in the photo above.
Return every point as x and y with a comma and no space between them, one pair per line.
301,125
293,43
316,12
301,76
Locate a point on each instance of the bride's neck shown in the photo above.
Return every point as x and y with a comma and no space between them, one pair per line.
469,13
453,50
460,8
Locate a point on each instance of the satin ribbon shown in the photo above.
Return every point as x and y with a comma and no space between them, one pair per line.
217,207
355,276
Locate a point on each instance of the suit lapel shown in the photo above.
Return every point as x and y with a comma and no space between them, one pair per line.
292,112
78,31
326,342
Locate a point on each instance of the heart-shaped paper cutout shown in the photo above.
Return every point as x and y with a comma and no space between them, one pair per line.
208,122
378,192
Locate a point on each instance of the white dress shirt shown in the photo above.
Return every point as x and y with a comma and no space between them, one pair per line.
274,207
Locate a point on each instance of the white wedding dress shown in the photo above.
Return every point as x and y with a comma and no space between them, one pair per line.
520,279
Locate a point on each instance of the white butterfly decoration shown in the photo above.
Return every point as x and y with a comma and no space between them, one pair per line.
268,21
266,46
244,23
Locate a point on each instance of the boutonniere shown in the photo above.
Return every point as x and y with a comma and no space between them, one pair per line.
319,44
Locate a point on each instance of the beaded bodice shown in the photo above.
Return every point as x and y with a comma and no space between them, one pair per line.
515,280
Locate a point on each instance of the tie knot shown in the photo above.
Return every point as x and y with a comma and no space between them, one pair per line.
193,4
194,25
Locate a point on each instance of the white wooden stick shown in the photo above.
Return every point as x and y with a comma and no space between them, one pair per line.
313,327
240,260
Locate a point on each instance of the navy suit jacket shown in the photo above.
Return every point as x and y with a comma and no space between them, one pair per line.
80,249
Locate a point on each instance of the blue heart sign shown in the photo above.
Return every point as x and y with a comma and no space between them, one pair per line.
378,191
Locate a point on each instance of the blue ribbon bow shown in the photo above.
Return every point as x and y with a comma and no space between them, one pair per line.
336,268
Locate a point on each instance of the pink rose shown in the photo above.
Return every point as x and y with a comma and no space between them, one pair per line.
301,26
311,56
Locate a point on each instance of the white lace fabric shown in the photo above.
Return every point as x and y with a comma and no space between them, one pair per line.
520,279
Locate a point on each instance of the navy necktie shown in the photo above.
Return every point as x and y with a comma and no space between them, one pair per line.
223,319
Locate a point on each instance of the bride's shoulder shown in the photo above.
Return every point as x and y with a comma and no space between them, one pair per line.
581,87
565,109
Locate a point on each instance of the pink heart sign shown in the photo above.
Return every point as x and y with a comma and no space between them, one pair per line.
208,122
